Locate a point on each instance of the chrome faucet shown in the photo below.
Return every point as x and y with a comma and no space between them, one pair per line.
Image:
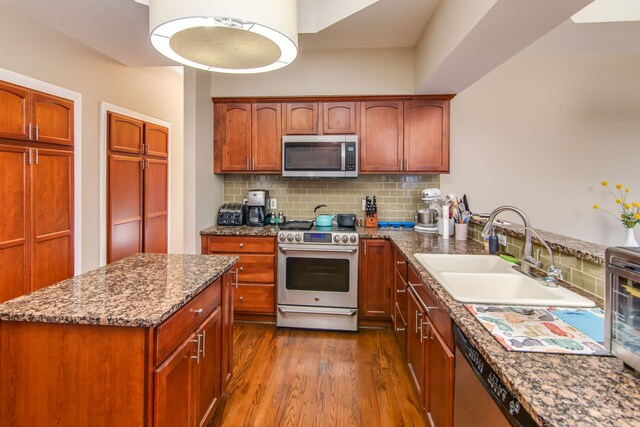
553,273
528,261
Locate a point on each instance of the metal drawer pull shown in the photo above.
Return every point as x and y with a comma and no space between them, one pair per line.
236,272
428,331
197,311
204,342
37,132
400,329
401,291
197,356
29,127
241,298
285,311
316,250
400,262
242,245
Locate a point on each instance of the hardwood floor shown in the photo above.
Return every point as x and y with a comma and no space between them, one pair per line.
295,377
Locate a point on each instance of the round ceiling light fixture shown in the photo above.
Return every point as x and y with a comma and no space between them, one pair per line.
230,36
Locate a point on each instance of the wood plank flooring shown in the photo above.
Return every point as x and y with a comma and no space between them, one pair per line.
295,377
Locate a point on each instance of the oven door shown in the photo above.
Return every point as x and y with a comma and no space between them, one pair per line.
317,275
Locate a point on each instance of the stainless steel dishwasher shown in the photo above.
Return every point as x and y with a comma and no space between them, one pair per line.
481,398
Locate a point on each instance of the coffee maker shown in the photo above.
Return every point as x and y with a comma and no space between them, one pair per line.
428,216
257,205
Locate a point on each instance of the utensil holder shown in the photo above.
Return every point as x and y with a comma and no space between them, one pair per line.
371,221
461,231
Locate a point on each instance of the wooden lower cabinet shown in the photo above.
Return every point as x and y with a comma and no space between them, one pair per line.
169,375
417,348
255,292
229,282
36,221
374,283
399,297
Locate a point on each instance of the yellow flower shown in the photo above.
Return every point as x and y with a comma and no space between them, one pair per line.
618,186
596,206
604,183
636,216
622,216
627,206
636,205
618,201
626,190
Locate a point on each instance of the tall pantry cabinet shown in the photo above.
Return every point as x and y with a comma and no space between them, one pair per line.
137,192
36,189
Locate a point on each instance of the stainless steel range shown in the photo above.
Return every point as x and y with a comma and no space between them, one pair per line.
318,278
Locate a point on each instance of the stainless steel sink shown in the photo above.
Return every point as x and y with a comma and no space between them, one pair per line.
488,279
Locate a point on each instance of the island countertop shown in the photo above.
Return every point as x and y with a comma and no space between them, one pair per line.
139,291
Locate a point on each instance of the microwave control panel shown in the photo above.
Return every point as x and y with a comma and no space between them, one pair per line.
350,161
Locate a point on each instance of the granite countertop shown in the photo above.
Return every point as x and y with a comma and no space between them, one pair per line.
239,230
140,291
557,390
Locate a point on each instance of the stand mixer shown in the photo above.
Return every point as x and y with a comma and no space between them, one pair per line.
428,216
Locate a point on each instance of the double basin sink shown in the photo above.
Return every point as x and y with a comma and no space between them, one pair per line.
489,279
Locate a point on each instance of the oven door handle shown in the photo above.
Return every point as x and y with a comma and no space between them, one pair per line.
331,313
344,251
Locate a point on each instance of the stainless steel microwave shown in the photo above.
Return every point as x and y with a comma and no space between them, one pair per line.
622,304
320,156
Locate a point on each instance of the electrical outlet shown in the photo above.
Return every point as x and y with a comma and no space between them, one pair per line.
364,204
502,240
244,201
273,204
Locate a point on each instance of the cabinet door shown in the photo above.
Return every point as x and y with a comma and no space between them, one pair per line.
52,118
400,310
124,219
441,380
375,281
339,117
426,136
52,217
125,134
417,347
301,118
266,138
155,205
174,381
14,222
208,368
226,364
14,111
381,135
156,140
236,143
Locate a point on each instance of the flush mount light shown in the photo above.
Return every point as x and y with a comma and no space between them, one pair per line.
230,36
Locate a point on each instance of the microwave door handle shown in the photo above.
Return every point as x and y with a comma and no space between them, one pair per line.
343,156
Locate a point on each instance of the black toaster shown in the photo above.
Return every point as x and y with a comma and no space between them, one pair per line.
231,214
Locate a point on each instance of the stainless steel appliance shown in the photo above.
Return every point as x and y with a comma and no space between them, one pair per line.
231,214
622,304
320,156
257,205
318,278
481,399
428,216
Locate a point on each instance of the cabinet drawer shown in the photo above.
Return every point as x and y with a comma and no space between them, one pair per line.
174,330
255,299
241,245
436,311
256,268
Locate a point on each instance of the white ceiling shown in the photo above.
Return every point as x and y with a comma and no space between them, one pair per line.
120,28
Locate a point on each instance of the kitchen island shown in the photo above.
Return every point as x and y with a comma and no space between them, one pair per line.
556,390
137,342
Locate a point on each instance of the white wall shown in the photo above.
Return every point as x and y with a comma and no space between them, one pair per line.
542,130
327,72
32,49
202,189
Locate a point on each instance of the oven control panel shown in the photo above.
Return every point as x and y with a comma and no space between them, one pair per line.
318,237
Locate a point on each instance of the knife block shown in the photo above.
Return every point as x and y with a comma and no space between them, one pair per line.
371,221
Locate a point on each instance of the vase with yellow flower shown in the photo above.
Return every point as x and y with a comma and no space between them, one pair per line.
629,212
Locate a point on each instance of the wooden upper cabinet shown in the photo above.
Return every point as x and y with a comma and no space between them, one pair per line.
156,140
426,136
266,138
52,118
301,118
125,134
14,222
381,135
14,111
339,118
236,137
155,205
52,217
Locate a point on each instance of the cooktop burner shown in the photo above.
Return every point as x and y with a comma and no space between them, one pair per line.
297,225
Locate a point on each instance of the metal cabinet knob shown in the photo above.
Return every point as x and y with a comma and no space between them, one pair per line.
242,245
241,269
241,298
